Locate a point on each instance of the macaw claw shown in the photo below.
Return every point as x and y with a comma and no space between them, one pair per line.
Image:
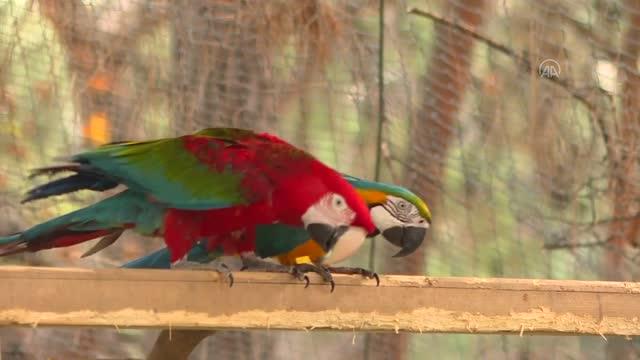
226,272
356,271
251,262
218,266
300,275
318,269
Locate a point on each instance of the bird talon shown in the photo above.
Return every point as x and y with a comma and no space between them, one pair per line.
356,271
299,271
221,268
325,273
371,275
224,270
299,275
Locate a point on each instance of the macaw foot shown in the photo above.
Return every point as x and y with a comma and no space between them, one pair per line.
298,271
254,263
321,270
356,271
218,266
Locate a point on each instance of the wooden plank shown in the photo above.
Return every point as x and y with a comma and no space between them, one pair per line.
183,299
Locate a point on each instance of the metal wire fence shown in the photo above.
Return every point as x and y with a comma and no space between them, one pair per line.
516,121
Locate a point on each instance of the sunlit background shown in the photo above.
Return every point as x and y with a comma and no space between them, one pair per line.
530,171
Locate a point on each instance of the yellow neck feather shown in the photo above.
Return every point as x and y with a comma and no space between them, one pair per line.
372,196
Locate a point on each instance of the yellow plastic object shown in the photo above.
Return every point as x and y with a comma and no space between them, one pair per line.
303,260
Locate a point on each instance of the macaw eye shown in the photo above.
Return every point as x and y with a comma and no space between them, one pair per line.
402,205
339,202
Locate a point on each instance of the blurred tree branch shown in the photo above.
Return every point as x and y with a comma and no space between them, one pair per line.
526,64
100,44
223,55
443,88
599,39
624,166
565,245
118,30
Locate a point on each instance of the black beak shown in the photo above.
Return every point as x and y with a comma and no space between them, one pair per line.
409,238
326,235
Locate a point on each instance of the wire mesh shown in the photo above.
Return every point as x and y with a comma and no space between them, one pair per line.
516,121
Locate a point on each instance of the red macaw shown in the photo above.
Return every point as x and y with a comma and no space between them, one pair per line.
206,185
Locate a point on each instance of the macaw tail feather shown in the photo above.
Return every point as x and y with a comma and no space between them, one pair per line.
161,259
10,242
51,170
104,242
60,237
106,219
69,185
84,179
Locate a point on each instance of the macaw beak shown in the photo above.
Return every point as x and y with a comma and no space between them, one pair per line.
409,238
326,235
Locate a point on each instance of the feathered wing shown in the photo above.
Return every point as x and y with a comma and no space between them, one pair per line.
107,218
169,172
158,174
188,172
161,259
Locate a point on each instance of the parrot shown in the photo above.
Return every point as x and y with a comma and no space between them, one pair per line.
400,216
205,185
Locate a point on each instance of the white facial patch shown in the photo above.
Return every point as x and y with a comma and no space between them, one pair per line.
331,209
347,245
312,215
403,211
383,220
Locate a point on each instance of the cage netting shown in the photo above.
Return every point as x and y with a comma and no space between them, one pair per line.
517,121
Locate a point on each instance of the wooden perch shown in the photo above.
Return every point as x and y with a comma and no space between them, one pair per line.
183,299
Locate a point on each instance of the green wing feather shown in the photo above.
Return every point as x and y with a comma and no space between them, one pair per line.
278,239
161,259
111,215
229,134
165,169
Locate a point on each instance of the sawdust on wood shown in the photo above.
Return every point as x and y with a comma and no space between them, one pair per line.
420,320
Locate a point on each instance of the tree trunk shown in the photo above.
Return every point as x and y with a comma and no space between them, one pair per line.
98,59
177,345
444,88
624,172
219,70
